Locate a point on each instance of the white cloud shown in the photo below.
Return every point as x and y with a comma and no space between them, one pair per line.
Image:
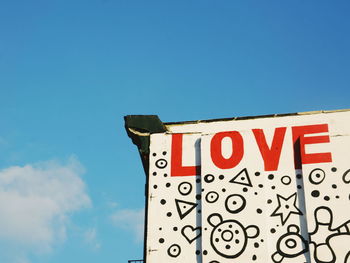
35,203
91,238
131,220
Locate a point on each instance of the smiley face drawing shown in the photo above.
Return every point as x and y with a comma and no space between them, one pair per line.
229,238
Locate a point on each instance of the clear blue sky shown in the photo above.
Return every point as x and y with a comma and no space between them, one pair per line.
70,70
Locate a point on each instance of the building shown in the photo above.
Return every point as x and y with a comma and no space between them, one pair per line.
250,189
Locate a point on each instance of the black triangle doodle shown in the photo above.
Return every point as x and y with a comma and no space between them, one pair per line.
242,178
184,207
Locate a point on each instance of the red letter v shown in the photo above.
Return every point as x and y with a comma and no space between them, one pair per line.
271,155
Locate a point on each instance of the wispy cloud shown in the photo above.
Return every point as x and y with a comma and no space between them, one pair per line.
35,203
90,237
130,220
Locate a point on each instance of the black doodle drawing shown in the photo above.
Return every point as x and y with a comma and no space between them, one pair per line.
235,203
317,176
290,245
174,250
326,238
346,177
191,233
184,207
286,207
161,163
209,178
286,180
229,238
242,178
212,197
185,188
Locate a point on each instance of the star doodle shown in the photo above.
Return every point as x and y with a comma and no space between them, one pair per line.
286,207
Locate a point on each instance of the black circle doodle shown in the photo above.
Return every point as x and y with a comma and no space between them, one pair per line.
259,211
257,173
154,173
269,201
317,176
205,252
315,193
168,185
224,232
256,244
165,175
221,177
261,185
334,169
161,240
299,176
346,177
175,228
209,178
163,202
272,230
227,235
164,153
169,214
245,189
174,250
161,163
254,257
299,186
286,180
155,186
334,186
223,190
185,188
326,198
198,197
270,176
154,154
197,252
235,203
198,180
273,187
291,243
212,197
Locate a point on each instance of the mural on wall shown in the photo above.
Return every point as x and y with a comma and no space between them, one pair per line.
174,206
327,198
260,190
257,215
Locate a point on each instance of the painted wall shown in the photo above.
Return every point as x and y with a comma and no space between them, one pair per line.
255,190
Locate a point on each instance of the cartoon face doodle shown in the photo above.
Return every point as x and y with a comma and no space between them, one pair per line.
290,245
229,238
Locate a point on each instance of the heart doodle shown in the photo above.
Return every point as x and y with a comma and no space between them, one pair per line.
191,233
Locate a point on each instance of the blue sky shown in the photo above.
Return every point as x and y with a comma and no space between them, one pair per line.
71,182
